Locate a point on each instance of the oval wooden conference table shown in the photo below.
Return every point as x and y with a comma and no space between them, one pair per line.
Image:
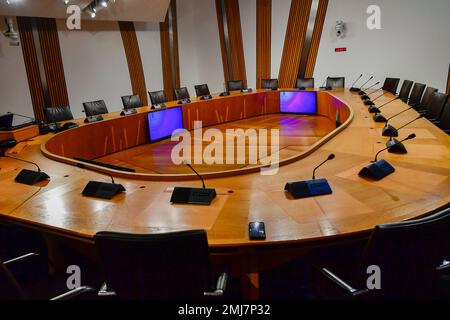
419,186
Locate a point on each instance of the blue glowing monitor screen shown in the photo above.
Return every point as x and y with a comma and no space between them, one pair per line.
302,102
163,123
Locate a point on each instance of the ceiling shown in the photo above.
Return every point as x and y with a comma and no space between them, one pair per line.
118,10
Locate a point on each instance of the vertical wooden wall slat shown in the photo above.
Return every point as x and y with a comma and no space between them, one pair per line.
448,81
293,42
134,60
168,76
263,40
315,41
52,59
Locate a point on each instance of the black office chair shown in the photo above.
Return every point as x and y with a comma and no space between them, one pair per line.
202,90
94,108
58,114
444,124
391,85
335,82
405,90
131,102
416,95
269,84
181,93
305,83
436,105
157,266
423,106
412,256
235,85
157,97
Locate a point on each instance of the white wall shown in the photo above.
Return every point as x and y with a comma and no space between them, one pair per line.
248,24
414,42
280,17
199,45
150,46
95,64
14,90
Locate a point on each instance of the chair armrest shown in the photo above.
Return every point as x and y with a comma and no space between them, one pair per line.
220,287
74,293
21,258
342,284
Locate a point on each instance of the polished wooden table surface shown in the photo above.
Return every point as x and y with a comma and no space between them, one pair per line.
419,186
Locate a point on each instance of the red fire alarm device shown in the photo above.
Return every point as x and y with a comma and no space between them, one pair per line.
340,50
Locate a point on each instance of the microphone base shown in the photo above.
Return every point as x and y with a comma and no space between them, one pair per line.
365,97
369,103
93,119
102,190
390,131
361,93
30,177
377,170
186,195
247,90
353,89
394,146
379,118
309,188
128,112
206,97
224,94
374,109
325,88
184,101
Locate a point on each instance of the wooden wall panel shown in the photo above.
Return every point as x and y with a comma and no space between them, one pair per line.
134,60
53,65
315,41
237,69
25,27
171,69
293,42
263,40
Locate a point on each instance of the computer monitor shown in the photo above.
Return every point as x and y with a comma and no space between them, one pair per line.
11,121
163,123
299,102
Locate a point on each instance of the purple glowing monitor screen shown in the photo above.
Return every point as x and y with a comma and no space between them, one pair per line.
163,123
302,102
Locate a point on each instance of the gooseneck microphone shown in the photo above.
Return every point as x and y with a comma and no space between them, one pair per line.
361,89
187,195
378,90
378,169
324,87
390,131
396,115
99,189
353,89
372,102
366,95
374,109
380,118
28,177
410,137
310,188
195,171
330,157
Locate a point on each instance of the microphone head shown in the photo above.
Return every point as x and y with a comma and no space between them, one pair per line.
331,156
185,162
377,83
411,136
371,77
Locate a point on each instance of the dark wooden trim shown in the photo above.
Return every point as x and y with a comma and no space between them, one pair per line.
231,35
448,81
263,40
169,51
294,42
134,60
317,34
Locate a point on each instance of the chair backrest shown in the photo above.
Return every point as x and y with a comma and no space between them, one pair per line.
57,114
405,90
131,102
436,105
157,97
416,95
181,93
94,108
336,82
235,85
155,266
269,83
445,119
305,83
408,254
202,90
426,98
391,85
